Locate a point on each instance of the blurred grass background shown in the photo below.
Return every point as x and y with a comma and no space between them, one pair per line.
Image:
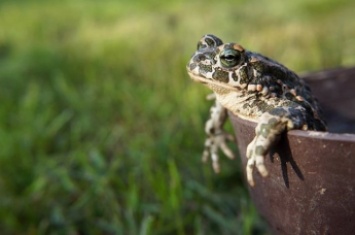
101,129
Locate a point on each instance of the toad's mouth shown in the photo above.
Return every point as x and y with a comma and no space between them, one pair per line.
206,81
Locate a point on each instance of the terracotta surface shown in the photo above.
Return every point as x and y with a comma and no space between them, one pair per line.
311,184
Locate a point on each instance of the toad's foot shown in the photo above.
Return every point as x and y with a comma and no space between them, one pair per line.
255,158
217,138
267,133
212,144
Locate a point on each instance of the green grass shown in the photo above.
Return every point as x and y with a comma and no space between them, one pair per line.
101,129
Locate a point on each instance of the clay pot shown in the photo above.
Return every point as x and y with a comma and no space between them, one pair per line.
311,184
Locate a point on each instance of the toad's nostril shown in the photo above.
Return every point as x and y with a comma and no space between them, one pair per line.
200,57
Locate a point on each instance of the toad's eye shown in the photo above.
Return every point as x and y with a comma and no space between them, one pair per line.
230,58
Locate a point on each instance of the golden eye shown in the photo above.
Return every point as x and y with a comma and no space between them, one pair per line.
230,58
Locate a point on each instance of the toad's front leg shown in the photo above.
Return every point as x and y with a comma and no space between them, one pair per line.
271,124
217,137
